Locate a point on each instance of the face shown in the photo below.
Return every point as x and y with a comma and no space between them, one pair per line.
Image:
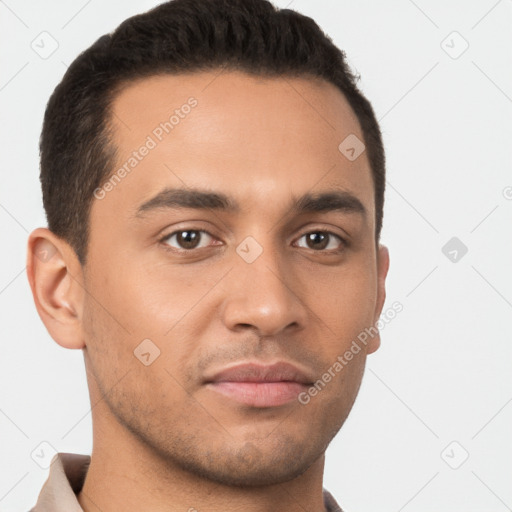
241,234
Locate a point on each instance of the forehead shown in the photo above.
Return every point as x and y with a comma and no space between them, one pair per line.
248,136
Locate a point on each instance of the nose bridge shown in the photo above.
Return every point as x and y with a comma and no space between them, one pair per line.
262,293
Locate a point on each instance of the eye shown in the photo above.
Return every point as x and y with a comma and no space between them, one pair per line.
187,239
190,239
321,240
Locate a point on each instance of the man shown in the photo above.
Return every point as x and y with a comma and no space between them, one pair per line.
214,183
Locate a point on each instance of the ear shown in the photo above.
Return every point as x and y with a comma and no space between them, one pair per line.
56,280
382,272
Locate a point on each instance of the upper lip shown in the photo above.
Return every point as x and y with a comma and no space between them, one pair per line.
259,372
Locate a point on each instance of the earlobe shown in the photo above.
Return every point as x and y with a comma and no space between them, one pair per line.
374,344
55,276
382,271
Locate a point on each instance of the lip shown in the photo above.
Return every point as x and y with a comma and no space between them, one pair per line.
260,385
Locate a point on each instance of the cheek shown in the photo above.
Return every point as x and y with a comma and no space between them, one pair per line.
344,299
133,369
147,301
156,312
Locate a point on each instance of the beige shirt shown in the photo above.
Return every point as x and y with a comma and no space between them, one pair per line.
67,475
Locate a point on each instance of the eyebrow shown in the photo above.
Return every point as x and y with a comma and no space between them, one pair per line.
176,198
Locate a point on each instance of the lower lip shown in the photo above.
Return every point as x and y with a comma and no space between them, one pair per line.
259,394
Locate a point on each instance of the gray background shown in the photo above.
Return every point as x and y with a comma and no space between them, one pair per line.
440,387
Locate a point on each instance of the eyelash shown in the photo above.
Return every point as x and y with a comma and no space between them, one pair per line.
343,243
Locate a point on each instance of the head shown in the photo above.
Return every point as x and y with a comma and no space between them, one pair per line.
202,209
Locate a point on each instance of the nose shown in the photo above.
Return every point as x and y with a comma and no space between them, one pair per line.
263,295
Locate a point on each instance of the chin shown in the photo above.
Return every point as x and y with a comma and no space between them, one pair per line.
250,466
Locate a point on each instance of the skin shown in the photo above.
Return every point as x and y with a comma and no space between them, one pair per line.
162,440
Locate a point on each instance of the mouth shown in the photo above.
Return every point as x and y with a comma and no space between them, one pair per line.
260,385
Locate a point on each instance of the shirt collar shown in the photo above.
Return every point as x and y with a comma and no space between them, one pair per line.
67,476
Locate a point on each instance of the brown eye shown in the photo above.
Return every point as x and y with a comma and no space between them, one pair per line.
320,240
186,239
